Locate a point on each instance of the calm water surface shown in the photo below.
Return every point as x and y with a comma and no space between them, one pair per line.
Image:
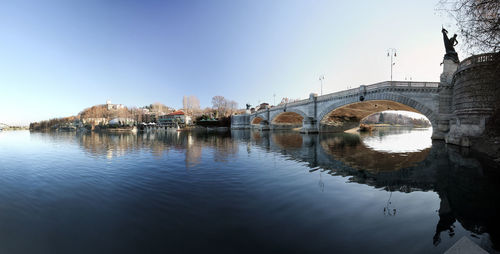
394,191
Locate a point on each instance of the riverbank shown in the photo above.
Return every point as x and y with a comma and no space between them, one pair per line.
15,128
373,127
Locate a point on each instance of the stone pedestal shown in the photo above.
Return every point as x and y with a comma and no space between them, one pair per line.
449,68
442,126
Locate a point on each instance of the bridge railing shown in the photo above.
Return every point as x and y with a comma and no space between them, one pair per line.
384,84
477,60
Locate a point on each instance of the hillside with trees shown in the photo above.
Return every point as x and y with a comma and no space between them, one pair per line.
52,123
100,115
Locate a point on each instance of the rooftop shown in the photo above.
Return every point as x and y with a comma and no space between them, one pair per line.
178,112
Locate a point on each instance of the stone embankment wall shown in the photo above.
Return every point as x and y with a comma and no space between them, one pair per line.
239,122
475,96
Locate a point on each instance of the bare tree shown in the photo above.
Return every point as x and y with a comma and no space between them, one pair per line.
232,107
286,100
191,104
219,103
478,22
158,107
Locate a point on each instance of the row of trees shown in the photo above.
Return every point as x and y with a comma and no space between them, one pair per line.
224,107
51,123
191,104
287,100
101,114
221,107
395,119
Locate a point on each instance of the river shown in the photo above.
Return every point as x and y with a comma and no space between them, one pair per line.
391,191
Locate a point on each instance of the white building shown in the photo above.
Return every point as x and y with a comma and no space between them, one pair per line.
111,106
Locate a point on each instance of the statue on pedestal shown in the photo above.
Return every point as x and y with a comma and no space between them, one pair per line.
449,45
248,111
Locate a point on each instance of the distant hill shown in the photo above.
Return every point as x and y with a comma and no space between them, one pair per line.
102,114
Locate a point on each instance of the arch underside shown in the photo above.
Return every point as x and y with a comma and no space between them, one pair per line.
287,120
349,116
256,120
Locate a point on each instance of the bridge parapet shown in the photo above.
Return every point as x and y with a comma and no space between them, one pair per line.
473,61
377,86
356,91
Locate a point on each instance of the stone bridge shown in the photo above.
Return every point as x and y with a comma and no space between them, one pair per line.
344,110
458,107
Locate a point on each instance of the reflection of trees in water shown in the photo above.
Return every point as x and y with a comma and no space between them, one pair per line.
110,145
288,140
193,152
157,143
224,147
349,149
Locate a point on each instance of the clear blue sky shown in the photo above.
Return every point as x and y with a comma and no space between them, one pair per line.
58,57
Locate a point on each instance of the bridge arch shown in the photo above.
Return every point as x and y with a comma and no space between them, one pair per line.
287,119
382,102
275,114
256,120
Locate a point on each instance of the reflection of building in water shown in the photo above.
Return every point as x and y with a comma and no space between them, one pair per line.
159,143
111,106
193,152
108,145
224,149
119,144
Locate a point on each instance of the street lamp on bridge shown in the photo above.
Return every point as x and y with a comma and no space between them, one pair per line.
321,78
391,52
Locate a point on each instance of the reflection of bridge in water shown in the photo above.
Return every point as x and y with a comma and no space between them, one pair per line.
467,186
